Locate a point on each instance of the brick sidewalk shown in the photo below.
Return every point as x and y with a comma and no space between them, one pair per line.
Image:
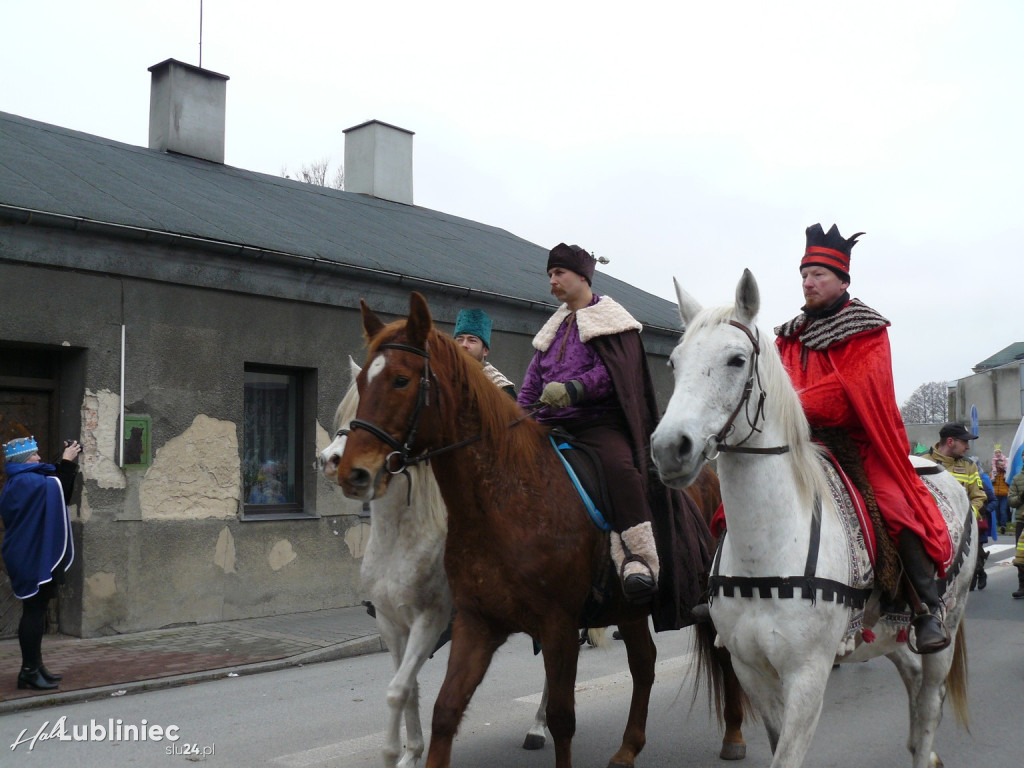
182,653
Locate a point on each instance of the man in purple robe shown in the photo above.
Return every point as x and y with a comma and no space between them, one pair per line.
590,371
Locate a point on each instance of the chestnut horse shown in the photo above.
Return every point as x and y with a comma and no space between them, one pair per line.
521,553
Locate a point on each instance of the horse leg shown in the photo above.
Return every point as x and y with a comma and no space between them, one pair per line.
535,737
404,691
925,681
641,654
473,647
560,645
396,639
764,689
803,693
733,745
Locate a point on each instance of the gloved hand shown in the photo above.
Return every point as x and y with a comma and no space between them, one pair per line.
559,395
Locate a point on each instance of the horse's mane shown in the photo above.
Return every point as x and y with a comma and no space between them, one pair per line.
781,402
426,495
465,391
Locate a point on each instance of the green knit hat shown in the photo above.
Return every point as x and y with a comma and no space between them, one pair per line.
474,322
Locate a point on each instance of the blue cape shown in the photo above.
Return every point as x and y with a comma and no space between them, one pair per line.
37,528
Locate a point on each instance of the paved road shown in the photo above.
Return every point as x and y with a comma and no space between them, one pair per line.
331,714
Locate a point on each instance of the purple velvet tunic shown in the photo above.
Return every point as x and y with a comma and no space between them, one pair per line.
569,359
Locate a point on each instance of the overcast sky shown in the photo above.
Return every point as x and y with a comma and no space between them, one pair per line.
686,139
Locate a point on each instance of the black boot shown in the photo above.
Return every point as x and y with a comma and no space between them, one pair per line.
701,613
930,634
1020,583
51,677
31,677
979,570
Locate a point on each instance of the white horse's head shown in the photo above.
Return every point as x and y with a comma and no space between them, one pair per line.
330,456
712,365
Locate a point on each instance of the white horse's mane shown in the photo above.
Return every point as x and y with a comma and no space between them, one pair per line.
425,492
781,401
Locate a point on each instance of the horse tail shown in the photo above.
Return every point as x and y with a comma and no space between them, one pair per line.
714,672
598,637
956,679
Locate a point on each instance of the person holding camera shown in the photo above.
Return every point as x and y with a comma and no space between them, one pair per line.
38,547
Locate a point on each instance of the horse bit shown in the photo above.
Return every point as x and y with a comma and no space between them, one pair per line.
715,444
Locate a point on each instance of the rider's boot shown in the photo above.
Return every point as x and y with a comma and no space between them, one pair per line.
701,613
636,559
1019,594
931,635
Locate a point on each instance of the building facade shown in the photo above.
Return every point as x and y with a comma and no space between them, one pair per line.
996,390
190,323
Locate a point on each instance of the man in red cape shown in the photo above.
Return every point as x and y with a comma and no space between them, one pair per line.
837,355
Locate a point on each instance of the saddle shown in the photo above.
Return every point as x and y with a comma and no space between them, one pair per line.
846,458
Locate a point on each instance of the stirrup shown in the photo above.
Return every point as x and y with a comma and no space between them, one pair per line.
913,646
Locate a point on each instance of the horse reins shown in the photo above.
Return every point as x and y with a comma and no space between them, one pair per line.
715,444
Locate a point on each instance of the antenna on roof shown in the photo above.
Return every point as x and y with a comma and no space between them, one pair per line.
200,34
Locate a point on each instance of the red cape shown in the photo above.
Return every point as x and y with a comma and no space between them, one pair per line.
849,384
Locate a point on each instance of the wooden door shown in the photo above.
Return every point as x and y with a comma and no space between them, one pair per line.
24,413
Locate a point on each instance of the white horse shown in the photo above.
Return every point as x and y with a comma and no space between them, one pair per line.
403,574
783,648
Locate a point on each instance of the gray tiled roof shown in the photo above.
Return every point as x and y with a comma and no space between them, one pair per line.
1006,355
57,170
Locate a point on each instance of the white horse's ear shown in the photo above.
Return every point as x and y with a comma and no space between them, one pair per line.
353,368
748,298
688,306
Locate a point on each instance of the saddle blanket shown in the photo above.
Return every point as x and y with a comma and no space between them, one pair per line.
858,534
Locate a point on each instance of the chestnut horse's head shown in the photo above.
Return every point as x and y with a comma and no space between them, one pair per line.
395,417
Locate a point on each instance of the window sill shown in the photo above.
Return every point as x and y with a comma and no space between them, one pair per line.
252,517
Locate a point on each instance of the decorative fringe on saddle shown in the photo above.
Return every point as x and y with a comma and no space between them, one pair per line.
887,562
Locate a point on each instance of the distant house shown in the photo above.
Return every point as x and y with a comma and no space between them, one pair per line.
191,324
996,389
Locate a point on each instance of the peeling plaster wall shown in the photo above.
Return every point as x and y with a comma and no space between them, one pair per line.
98,461
194,475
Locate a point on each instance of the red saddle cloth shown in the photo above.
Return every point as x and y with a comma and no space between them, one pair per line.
718,522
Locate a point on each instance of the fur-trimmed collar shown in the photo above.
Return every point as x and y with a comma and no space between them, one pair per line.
605,318
821,333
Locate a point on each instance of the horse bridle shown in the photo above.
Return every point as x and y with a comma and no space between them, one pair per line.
715,444
401,449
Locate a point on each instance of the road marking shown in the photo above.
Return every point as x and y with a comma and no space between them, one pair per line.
598,684
993,549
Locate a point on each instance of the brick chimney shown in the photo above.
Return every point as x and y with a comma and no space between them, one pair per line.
378,161
187,110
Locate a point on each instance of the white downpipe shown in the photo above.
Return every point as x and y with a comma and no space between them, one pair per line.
120,442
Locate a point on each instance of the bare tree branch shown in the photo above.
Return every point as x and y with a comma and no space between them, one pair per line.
316,173
929,404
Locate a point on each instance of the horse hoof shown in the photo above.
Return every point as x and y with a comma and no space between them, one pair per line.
733,751
533,741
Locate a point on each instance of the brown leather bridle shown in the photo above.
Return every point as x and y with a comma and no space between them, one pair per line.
715,444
